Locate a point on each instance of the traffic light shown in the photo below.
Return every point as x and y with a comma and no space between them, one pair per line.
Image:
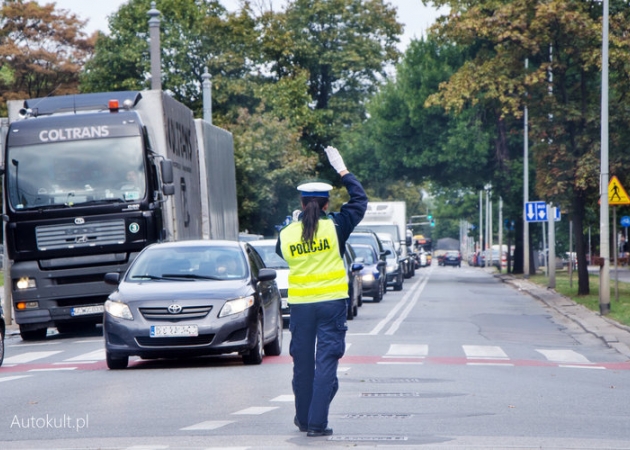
430,217
432,222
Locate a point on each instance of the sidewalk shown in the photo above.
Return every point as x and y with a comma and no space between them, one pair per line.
612,333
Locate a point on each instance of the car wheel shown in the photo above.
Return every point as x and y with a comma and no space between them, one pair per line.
379,295
114,363
355,310
33,335
360,300
349,314
1,345
274,348
399,284
255,355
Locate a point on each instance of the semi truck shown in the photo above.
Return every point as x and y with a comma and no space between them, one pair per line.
89,180
391,218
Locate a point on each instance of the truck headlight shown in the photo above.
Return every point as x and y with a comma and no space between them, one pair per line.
236,306
118,309
25,283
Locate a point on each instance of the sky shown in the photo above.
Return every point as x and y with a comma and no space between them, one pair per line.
411,13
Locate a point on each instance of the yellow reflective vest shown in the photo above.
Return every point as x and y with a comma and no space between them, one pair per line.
316,270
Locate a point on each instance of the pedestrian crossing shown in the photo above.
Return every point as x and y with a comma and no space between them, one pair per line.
466,354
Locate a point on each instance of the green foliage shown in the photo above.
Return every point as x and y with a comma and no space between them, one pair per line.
269,167
344,46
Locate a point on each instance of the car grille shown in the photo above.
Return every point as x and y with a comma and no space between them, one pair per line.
187,313
284,293
186,341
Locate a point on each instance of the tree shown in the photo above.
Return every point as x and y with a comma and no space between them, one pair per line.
560,39
42,51
345,46
269,167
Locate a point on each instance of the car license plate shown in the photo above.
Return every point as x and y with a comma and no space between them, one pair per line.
285,303
85,310
174,330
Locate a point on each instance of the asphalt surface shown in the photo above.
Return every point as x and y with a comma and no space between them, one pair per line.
614,334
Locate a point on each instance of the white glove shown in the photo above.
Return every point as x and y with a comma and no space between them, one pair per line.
335,159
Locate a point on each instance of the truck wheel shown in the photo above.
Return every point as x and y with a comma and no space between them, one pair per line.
114,363
255,355
33,335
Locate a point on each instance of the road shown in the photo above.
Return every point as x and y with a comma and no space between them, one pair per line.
456,360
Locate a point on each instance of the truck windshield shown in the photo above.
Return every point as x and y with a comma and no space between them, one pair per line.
74,172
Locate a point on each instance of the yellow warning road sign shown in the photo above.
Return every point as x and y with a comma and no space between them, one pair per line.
617,195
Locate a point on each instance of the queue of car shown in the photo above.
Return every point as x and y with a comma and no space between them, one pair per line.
210,297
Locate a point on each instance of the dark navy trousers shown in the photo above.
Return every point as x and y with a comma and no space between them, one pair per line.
318,341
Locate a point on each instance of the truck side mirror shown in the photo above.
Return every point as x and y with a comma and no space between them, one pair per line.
168,189
166,165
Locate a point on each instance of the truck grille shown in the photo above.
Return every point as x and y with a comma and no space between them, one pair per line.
55,237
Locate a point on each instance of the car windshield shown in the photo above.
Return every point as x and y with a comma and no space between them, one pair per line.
268,253
365,253
189,263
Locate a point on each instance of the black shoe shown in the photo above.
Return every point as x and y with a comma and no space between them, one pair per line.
297,424
324,432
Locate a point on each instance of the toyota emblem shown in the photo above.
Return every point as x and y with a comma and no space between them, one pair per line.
174,309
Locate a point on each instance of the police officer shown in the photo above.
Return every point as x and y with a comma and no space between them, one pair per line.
313,247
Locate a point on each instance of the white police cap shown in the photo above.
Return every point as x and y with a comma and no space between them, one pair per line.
314,189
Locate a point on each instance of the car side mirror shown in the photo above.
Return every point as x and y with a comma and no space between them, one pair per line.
357,266
112,278
266,275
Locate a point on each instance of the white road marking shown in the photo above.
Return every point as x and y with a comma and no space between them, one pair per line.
484,352
564,356
29,357
208,425
255,410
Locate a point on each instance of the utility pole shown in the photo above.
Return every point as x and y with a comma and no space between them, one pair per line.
604,231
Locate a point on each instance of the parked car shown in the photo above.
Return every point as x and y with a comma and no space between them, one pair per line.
368,237
3,330
452,258
393,270
193,298
266,248
372,273
355,282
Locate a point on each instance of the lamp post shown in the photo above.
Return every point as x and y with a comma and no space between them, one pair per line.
604,249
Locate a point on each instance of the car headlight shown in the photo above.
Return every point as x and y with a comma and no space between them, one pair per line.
368,277
391,268
118,309
236,306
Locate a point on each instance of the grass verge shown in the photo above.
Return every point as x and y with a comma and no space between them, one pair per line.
619,296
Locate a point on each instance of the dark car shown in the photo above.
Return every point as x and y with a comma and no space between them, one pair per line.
452,258
266,248
355,281
394,269
3,330
371,274
193,298
365,236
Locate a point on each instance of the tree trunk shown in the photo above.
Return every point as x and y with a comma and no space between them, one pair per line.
579,211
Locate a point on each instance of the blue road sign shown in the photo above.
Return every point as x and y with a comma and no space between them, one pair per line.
536,211
625,221
556,218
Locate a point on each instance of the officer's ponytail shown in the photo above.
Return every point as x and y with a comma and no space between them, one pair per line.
311,207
